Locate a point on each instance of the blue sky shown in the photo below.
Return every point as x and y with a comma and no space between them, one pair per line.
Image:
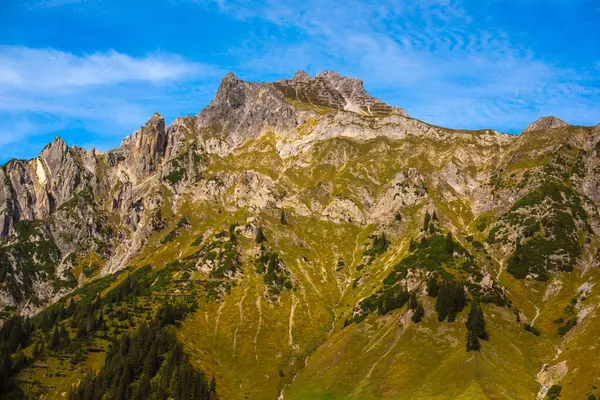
93,71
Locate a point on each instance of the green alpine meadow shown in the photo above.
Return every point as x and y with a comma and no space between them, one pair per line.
303,240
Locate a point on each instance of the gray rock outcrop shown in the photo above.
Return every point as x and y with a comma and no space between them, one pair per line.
541,124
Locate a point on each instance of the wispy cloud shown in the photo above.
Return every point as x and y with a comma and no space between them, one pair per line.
48,3
27,68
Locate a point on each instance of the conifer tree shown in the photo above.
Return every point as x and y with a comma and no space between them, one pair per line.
35,351
72,307
412,304
90,323
175,384
449,244
5,369
472,342
151,364
19,358
432,287
212,391
283,219
260,236
418,314
64,335
426,221
475,327
54,339
442,303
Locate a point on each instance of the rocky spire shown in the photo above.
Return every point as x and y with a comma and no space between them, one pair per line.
231,91
54,154
301,76
147,146
549,122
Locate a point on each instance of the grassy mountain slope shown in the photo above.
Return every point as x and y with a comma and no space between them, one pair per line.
293,264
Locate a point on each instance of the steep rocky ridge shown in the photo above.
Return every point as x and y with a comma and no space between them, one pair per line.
339,184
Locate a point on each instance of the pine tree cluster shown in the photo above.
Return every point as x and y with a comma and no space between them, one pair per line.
148,365
475,328
451,299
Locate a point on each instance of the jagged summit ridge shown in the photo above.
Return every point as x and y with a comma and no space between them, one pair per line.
549,122
243,110
330,89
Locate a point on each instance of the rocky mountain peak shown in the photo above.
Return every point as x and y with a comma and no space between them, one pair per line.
344,84
231,91
301,76
55,150
241,110
58,141
147,146
332,90
56,163
549,122
156,117
229,77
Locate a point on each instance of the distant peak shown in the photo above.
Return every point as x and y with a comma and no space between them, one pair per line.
231,92
156,120
549,122
341,81
230,77
58,141
330,75
301,76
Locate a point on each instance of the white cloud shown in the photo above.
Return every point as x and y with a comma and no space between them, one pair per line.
28,68
47,3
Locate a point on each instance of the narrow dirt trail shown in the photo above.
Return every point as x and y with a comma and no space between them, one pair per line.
544,388
500,270
364,381
537,314
259,308
308,279
377,338
240,306
291,322
219,311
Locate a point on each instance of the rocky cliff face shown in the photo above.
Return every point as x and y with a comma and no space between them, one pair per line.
34,189
243,110
353,200
146,148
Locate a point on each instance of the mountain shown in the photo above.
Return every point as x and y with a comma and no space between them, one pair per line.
544,123
303,239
